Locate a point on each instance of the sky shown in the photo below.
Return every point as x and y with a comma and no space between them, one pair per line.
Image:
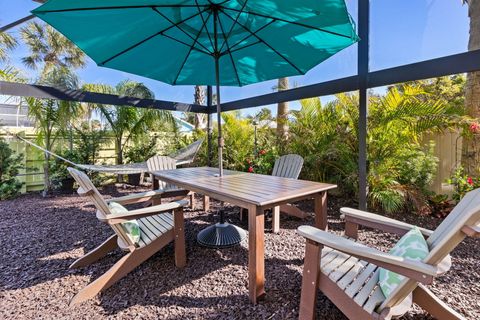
402,32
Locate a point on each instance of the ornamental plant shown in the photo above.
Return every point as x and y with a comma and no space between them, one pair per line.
462,183
10,164
400,166
263,162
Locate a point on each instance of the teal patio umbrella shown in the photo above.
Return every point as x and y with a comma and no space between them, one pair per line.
205,42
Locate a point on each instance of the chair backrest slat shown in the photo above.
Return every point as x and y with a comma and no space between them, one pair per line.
443,240
158,163
288,166
103,210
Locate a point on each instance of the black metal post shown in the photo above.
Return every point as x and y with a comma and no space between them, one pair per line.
209,125
217,80
16,23
363,66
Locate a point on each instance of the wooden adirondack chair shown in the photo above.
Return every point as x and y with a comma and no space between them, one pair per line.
158,163
288,166
347,271
158,227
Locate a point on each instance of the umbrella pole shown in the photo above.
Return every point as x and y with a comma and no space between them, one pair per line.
217,80
219,120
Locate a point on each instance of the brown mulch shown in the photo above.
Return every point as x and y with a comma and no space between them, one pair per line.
40,238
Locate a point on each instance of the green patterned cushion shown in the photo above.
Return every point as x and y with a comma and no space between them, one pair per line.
411,246
132,229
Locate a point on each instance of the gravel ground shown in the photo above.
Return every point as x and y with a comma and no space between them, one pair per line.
40,238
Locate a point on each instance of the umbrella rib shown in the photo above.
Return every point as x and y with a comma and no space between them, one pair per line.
268,45
118,8
244,47
145,40
186,44
292,22
206,29
229,53
234,23
191,48
249,36
177,25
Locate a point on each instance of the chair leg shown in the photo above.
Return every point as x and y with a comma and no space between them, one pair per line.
293,211
311,272
192,198
276,219
99,252
433,305
119,270
157,200
179,240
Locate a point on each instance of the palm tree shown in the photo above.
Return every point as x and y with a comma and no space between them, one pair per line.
282,114
52,117
129,123
49,49
7,42
470,147
199,96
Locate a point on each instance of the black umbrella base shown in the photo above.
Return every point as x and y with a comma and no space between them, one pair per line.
221,235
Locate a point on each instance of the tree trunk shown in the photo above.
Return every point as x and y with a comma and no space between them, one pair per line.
119,152
199,98
46,169
282,114
471,146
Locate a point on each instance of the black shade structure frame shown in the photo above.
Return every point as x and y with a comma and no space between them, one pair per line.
364,80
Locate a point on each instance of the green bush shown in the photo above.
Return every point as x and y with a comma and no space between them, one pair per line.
399,169
88,142
462,183
143,149
239,150
58,168
10,164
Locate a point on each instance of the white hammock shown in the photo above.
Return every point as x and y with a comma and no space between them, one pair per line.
183,156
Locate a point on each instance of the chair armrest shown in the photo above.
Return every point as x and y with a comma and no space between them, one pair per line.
145,212
377,221
417,270
136,197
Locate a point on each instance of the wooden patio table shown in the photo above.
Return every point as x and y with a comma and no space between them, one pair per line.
256,193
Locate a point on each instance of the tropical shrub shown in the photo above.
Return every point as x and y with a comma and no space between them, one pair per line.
128,124
10,164
462,183
400,168
239,147
53,117
58,168
262,162
145,148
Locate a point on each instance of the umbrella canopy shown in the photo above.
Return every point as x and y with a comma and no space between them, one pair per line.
205,42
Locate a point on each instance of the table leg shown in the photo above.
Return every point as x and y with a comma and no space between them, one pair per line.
256,257
276,219
206,203
321,210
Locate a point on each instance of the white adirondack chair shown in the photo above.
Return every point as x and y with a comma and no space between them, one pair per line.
288,166
159,163
159,225
347,271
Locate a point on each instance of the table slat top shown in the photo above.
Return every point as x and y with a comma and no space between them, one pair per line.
257,189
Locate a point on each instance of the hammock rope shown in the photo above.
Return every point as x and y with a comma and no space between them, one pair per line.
183,156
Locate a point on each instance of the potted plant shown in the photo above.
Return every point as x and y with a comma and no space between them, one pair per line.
60,178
